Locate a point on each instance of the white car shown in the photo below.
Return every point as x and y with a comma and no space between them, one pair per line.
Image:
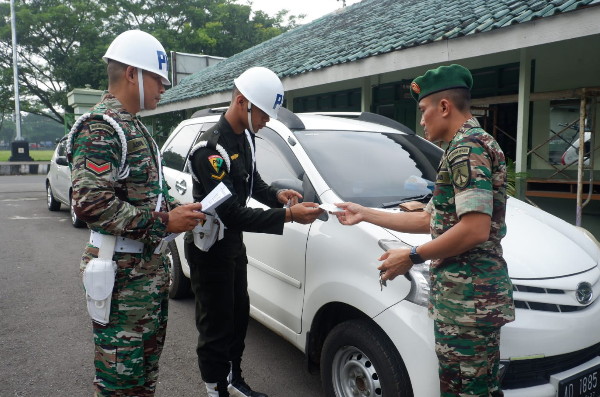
58,183
318,287
571,155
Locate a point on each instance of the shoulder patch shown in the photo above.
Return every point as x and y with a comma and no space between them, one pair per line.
459,166
458,152
136,145
101,127
98,169
216,162
461,174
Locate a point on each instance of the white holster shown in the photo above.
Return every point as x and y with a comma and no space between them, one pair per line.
99,281
207,233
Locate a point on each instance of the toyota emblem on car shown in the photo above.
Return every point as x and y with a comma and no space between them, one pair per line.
584,293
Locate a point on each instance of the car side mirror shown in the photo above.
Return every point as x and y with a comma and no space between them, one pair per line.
61,160
294,184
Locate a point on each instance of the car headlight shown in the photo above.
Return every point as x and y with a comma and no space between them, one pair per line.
589,235
502,368
418,275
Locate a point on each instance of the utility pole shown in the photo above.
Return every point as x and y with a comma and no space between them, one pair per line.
20,147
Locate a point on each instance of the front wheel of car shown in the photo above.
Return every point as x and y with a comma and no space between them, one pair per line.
179,286
53,204
75,221
359,359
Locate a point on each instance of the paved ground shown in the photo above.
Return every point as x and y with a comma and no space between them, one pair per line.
45,334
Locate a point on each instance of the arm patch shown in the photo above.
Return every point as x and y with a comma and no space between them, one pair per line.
97,169
459,166
216,162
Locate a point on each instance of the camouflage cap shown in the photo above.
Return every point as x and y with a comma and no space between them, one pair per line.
441,79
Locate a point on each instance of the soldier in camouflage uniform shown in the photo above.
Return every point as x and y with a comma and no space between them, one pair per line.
117,183
471,293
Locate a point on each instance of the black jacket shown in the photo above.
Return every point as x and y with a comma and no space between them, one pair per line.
210,169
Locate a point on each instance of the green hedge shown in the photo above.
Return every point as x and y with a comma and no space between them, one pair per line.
37,155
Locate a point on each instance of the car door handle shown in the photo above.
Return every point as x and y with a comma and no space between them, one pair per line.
181,187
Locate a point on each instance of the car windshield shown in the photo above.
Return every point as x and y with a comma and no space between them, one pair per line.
371,168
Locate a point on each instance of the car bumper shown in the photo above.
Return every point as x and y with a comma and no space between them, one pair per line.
535,334
411,331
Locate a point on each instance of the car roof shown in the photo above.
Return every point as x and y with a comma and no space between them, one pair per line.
323,121
341,122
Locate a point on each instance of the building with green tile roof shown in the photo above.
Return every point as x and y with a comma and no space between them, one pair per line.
531,61
393,34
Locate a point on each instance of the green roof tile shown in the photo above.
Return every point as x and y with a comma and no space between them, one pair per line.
365,29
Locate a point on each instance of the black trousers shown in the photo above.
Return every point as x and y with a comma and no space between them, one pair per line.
220,284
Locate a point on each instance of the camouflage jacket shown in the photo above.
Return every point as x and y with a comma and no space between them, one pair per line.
473,288
108,203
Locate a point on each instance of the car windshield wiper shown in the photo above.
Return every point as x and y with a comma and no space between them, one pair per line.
405,199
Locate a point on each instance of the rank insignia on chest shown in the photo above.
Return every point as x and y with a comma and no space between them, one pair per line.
216,162
98,169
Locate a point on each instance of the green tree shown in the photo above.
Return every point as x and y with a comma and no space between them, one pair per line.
61,42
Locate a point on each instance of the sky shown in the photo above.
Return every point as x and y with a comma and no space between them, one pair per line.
312,8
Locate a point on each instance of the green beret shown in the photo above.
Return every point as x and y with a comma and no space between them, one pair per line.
441,79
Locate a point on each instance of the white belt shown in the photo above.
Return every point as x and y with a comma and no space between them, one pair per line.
123,244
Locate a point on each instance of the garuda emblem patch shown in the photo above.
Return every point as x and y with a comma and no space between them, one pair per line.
460,167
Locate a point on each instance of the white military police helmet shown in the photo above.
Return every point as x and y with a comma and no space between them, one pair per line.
141,50
262,88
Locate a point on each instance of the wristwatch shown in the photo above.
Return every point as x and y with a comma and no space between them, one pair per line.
414,257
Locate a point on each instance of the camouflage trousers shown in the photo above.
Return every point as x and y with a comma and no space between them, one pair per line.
468,360
128,348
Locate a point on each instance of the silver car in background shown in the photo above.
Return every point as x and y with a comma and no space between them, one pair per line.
58,183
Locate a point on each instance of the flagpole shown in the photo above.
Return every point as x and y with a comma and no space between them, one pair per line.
15,71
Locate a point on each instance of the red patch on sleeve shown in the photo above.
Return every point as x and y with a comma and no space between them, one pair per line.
98,169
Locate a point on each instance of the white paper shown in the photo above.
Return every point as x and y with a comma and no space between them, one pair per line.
170,237
212,200
332,209
219,194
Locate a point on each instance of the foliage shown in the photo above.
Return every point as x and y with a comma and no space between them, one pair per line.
61,42
512,177
34,129
36,155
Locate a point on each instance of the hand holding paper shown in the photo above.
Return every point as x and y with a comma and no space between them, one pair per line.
331,208
212,200
350,213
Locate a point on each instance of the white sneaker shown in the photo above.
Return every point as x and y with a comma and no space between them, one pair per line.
213,389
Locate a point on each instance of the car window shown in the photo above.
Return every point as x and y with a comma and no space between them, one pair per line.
371,168
274,159
177,148
62,148
205,127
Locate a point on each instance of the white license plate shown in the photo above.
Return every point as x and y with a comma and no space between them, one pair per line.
583,384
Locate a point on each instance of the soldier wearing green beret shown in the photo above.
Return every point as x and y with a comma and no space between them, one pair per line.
471,293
